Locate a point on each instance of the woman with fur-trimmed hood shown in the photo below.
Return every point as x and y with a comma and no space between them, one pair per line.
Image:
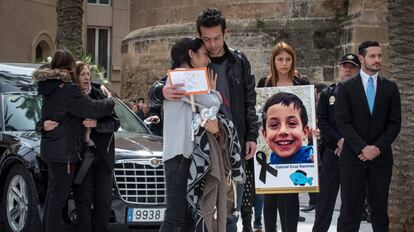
64,103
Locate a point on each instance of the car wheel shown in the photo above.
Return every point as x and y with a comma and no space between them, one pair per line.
20,201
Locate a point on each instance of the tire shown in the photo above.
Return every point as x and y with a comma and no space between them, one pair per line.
20,204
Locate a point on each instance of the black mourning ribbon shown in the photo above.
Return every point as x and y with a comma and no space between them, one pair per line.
265,167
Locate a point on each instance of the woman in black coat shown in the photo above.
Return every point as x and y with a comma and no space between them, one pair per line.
96,187
282,64
64,103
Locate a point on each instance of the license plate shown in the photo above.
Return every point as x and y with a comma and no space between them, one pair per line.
145,215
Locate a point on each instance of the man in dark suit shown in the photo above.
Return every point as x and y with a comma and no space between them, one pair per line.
332,144
368,116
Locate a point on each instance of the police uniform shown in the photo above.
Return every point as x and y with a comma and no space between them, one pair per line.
329,180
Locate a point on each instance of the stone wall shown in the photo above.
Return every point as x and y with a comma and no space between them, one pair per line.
366,20
320,31
146,52
146,13
310,26
23,24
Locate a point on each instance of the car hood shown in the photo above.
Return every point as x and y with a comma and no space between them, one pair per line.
134,145
28,139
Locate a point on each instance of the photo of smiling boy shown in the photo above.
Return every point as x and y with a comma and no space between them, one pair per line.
285,126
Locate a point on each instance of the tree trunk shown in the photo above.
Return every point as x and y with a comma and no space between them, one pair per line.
69,26
401,50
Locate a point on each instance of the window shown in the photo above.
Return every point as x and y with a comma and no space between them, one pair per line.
39,53
42,51
103,2
98,46
21,111
129,120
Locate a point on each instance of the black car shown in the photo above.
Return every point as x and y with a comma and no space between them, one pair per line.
139,193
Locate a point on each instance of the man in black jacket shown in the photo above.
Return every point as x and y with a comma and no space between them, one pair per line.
235,83
332,144
368,116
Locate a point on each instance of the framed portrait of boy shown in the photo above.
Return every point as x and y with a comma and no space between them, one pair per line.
287,157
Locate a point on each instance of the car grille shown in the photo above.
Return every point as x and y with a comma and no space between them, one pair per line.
140,182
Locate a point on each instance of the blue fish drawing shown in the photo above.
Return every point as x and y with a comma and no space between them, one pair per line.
299,178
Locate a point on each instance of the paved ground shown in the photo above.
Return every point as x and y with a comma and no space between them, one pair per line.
302,227
310,218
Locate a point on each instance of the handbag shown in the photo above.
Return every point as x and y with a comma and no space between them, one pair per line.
88,159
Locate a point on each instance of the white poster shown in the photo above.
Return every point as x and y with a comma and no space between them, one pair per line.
195,80
287,158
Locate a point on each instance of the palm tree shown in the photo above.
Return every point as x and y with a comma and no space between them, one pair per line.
401,50
69,26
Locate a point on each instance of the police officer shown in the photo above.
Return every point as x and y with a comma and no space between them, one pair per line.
332,141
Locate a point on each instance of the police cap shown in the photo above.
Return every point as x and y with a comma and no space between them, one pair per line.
350,58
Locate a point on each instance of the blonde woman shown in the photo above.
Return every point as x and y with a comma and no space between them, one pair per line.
282,66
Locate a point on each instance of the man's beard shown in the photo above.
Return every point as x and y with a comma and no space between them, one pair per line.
372,68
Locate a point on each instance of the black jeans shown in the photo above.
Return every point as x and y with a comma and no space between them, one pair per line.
95,189
58,189
177,217
288,205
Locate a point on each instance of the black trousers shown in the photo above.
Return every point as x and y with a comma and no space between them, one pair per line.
177,217
354,182
95,189
313,198
249,194
329,187
58,189
288,205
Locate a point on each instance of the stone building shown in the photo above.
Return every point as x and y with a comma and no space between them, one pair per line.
28,32
320,31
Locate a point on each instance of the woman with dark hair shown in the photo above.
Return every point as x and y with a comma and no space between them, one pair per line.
282,66
178,147
63,103
186,144
96,181
139,104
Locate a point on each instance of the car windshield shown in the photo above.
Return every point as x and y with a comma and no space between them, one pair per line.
129,121
22,111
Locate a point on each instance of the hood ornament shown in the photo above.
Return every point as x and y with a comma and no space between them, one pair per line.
155,163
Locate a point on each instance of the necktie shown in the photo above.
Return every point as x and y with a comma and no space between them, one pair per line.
370,94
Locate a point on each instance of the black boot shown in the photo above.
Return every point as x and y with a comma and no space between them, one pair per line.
247,222
257,224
